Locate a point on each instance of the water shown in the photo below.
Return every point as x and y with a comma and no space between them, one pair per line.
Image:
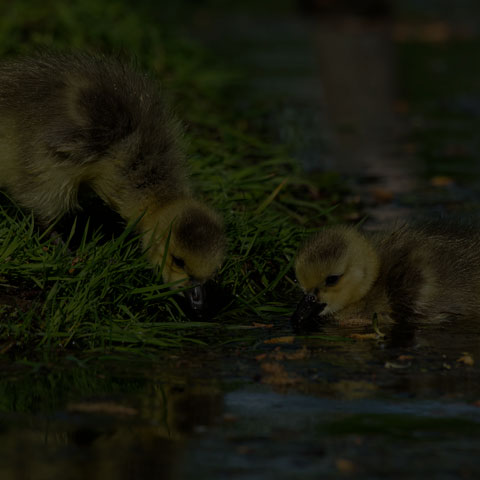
313,407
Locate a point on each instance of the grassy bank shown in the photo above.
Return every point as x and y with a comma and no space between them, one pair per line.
96,292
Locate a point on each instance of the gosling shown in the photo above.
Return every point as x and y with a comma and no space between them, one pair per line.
68,120
429,273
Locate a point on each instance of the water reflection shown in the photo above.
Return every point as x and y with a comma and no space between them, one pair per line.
267,410
140,433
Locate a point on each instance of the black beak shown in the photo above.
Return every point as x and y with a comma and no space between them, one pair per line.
196,297
307,308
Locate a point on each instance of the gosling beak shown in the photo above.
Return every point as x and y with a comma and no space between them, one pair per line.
196,297
307,308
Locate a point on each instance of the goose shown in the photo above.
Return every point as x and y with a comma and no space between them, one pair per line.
74,119
425,273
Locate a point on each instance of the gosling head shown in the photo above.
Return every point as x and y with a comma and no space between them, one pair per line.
194,238
335,268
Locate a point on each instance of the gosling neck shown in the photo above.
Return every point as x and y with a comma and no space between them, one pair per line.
157,219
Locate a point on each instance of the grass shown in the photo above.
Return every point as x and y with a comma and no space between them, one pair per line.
98,293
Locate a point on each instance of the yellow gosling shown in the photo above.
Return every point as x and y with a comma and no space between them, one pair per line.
73,119
428,273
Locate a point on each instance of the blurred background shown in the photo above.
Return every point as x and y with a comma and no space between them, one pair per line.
384,91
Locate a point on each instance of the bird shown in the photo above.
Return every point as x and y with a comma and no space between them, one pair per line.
74,119
426,272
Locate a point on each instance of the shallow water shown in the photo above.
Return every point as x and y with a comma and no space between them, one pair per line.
324,404
272,405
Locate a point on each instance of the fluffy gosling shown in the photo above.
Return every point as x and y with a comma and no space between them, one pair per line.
428,273
73,119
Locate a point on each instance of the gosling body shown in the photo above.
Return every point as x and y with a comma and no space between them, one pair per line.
428,273
73,119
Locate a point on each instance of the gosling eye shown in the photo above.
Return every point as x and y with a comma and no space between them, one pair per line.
332,280
179,262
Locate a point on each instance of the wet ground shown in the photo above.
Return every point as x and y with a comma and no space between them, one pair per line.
263,403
